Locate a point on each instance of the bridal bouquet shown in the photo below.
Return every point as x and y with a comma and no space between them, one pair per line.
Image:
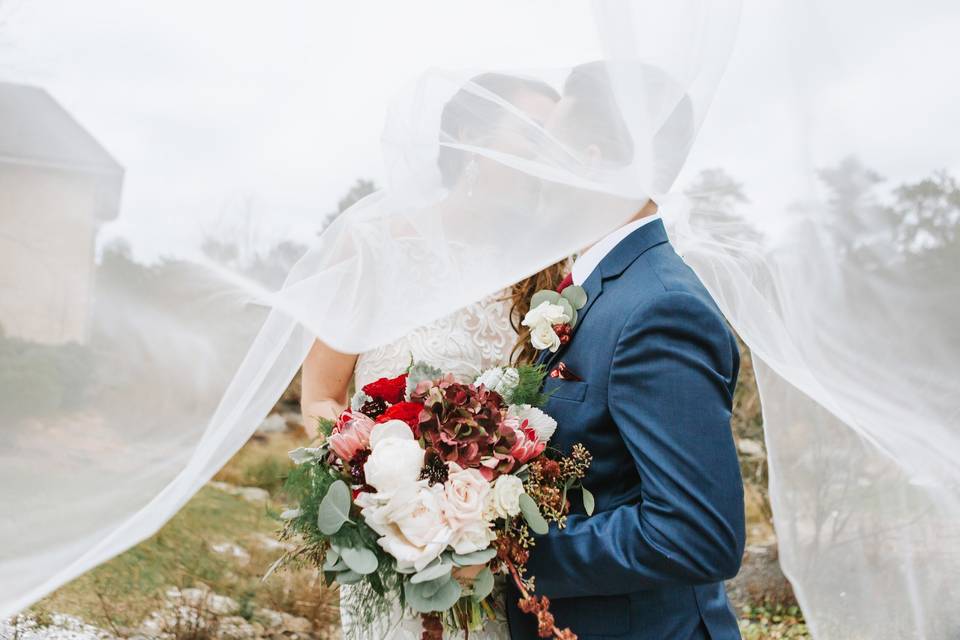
426,482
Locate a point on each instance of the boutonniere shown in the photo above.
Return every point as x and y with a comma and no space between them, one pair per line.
553,315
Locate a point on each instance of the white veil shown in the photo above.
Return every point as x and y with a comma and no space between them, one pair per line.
141,350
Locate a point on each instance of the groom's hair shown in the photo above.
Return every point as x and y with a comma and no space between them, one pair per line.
596,114
466,108
599,120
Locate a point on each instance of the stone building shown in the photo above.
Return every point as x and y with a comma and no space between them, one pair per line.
57,186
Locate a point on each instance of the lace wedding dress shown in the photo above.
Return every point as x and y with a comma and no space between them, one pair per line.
464,343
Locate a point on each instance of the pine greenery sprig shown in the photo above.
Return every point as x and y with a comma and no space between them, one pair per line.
370,599
529,389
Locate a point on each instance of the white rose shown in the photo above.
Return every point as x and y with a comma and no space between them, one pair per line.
542,336
504,500
503,380
395,460
466,493
475,536
541,423
390,429
411,522
545,313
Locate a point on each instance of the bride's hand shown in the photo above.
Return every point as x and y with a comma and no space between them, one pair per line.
466,575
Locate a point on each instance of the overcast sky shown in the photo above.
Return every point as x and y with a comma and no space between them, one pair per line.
214,106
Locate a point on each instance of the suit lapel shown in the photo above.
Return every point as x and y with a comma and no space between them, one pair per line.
612,265
593,287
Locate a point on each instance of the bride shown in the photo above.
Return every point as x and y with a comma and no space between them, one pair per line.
484,334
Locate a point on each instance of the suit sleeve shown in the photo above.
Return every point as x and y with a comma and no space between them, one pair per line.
673,370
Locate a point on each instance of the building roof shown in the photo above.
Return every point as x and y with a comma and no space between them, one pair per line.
36,129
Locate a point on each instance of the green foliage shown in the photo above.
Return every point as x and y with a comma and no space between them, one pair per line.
37,379
528,390
589,503
435,595
350,555
531,513
325,426
763,622
334,509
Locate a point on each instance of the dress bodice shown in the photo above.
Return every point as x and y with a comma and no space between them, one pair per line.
464,343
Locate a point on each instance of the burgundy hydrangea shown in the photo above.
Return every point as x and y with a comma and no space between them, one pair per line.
464,424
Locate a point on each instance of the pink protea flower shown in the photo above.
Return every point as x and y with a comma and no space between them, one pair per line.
527,446
351,435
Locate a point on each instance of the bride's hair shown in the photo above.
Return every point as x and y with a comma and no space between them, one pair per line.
466,108
520,294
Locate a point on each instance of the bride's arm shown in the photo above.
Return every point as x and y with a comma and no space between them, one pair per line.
325,384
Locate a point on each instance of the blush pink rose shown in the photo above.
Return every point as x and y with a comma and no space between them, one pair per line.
351,435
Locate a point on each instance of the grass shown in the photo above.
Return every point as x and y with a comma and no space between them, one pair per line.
262,462
118,595
773,623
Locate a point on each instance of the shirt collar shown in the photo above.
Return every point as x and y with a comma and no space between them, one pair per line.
587,261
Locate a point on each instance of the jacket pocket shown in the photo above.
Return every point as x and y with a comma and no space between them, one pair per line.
572,390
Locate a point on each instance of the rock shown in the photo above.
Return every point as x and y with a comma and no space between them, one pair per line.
197,611
749,447
254,494
273,423
233,550
760,580
203,599
250,494
235,628
270,618
267,543
57,627
295,624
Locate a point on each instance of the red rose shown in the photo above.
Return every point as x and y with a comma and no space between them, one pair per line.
408,412
390,390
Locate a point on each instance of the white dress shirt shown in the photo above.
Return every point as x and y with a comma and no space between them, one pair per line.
587,261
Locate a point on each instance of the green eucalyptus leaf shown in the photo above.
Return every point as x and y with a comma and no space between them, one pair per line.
349,577
576,295
334,509
574,318
429,589
482,584
588,501
432,571
363,561
477,557
439,600
566,306
544,295
331,557
338,565
531,513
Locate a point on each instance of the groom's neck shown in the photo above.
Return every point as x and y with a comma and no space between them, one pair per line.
647,210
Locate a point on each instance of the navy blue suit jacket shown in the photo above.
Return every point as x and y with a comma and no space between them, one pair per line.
658,366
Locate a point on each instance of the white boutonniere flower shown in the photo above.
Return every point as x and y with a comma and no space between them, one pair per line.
552,316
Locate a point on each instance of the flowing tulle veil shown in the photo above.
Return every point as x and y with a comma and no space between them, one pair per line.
167,260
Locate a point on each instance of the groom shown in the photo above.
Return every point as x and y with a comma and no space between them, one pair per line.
646,384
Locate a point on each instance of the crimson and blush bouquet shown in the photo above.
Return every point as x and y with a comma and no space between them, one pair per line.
424,475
